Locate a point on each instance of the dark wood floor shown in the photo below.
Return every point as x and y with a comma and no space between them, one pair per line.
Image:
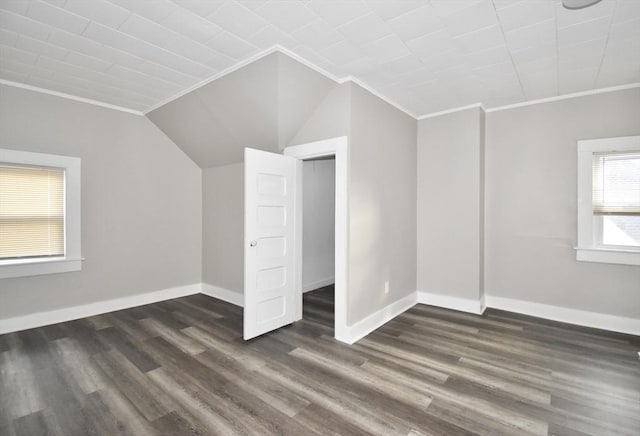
180,367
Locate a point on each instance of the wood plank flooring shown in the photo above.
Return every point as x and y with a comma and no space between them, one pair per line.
180,367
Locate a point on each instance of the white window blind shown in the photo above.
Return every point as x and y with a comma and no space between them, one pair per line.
31,211
616,183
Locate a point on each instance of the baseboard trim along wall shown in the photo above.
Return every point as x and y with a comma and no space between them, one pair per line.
223,294
40,319
318,284
468,305
570,316
377,319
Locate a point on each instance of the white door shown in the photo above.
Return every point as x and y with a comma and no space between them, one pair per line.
269,231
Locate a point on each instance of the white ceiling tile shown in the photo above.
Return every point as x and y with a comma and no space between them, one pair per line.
436,62
57,17
418,22
566,17
532,35
25,69
147,30
576,80
7,37
17,6
340,12
341,53
88,62
501,4
494,55
413,77
237,19
24,25
496,71
75,42
387,10
155,10
252,4
472,18
541,51
525,13
537,65
288,15
540,85
40,47
448,7
167,74
626,10
401,65
365,29
16,54
191,25
317,35
320,61
482,39
432,44
584,31
363,66
270,36
625,31
101,11
200,7
231,45
582,55
386,49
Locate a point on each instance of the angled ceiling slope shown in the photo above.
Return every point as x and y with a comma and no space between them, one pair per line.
262,105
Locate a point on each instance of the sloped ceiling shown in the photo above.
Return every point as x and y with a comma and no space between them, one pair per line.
262,105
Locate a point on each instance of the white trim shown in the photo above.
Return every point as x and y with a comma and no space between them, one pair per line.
40,319
564,97
377,319
71,97
72,260
379,95
450,111
340,148
308,287
605,255
236,298
468,305
571,316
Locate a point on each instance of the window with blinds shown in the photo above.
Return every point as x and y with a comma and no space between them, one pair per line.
32,208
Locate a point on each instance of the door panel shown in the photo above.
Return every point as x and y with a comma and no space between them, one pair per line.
270,211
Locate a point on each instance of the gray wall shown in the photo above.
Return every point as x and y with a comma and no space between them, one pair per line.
318,223
141,202
382,205
223,227
450,204
531,204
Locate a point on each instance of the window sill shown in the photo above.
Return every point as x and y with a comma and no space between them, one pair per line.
607,255
36,267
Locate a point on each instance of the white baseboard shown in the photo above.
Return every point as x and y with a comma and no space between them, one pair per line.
571,316
223,294
468,305
40,319
363,327
318,284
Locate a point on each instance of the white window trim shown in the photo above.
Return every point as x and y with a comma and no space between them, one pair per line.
72,260
587,249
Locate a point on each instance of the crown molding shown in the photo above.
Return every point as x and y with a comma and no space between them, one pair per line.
565,97
450,111
70,97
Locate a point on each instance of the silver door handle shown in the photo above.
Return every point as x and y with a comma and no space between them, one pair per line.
253,243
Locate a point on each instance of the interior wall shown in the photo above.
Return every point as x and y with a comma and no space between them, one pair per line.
450,204
318,223
531,156
223,227
141,202
382,205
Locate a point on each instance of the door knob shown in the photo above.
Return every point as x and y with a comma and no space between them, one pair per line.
253,243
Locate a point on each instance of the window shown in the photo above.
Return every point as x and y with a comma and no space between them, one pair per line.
39,214
609,200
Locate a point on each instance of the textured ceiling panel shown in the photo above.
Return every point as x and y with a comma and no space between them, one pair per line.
425,55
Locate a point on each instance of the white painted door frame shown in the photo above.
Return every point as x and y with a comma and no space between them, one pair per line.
338,147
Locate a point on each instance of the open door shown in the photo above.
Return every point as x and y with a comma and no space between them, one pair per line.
269,232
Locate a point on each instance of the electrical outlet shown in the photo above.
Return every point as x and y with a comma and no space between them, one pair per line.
386,287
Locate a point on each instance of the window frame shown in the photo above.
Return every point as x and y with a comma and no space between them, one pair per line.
72,258
589,248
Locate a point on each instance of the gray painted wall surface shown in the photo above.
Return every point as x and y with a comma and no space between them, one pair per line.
531,204
382,205
450,204
141,202
223,227
318,222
